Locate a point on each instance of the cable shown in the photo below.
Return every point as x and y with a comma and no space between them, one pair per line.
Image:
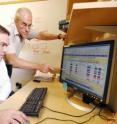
49,118
70,114
106,118
102,116
99,114
66,120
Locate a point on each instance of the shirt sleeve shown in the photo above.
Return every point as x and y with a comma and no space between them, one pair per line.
5,84
32,34
10,48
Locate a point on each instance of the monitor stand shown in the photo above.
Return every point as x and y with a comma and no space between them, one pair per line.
78,103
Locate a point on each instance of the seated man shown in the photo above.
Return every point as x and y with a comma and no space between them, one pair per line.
7,116
5,85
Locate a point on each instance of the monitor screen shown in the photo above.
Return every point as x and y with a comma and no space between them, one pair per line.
86,67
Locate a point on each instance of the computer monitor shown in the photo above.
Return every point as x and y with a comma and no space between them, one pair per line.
86,68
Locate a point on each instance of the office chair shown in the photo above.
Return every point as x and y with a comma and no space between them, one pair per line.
9,69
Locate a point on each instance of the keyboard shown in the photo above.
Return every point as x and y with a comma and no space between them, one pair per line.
34,102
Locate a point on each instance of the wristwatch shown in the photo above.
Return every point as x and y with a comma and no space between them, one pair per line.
59,36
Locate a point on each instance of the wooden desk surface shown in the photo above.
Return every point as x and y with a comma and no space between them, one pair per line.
56,100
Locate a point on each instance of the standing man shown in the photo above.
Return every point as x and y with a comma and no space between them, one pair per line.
21,30
5,85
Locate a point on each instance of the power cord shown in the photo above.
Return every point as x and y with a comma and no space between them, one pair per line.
49,118
70,114
99,114
106,118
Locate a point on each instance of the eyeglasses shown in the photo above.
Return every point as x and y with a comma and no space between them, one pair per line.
24,25
2,44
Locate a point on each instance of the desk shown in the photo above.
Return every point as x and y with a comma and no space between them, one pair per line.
55,99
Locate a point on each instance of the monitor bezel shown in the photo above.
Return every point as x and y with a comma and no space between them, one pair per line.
111,43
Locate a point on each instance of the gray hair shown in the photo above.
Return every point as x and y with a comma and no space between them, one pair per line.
21,11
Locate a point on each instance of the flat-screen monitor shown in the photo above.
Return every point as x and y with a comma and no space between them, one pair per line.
86,68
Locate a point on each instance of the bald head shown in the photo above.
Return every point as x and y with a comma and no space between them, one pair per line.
23,21
22,13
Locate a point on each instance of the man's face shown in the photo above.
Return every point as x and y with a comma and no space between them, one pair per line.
3,44
23,26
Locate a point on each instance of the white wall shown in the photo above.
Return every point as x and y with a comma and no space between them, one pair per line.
46,15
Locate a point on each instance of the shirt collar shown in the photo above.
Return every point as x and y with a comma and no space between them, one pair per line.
16,33
15,30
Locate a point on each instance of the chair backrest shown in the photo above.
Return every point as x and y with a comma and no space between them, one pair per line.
9,69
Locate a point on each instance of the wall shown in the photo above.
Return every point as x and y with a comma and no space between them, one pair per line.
46,15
